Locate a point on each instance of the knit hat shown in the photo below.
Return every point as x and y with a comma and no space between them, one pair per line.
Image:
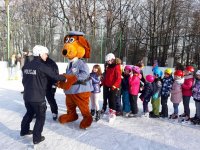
39,50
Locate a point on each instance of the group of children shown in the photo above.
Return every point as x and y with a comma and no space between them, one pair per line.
126,84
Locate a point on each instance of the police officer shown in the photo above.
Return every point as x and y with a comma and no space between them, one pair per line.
51,89
35,78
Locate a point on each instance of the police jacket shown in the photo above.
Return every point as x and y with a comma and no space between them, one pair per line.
35,78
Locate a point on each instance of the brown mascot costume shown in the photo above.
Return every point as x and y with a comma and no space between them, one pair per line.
78,86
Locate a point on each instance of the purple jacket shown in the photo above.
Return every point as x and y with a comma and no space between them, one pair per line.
196,90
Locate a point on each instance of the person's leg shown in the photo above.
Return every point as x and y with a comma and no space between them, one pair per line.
197,103
126,101
92,101
105,98
40,111
28,117
50,95
164,112
187,105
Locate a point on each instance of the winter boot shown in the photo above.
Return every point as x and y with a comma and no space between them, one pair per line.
98,113
112,115
92,111
55,116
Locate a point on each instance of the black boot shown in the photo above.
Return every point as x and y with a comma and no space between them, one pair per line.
98,113
92,111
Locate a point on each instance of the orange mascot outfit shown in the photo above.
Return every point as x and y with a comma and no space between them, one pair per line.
78,86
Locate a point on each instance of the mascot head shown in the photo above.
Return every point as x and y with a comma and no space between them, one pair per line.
75,45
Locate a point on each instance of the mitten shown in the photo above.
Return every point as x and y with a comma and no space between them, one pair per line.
155,96
71,79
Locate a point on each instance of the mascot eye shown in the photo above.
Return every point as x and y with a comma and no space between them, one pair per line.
71,40
67,40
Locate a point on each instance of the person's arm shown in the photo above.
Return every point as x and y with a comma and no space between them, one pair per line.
49,72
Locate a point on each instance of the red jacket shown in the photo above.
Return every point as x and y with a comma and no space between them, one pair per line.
112,76
187,85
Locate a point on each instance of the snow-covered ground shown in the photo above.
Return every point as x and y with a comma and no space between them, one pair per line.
124,134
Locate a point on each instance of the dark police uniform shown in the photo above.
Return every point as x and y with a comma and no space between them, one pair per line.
35,78
51,88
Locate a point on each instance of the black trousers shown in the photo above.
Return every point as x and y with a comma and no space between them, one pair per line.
164,110
38,108
105,99
133,103
50,95
111,95
186,105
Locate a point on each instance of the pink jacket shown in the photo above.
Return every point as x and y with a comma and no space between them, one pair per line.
187,85
134,84
176,91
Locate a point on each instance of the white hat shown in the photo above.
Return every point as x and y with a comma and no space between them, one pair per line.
198,72
39,50
109,56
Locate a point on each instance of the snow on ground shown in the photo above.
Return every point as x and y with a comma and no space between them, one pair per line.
124,134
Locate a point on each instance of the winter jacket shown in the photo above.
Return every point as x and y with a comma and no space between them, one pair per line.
157,85
49,62
35,78
95,82
196,90
147,92
134,84
176,92
125,82
187,85
112,76
166,86
81,70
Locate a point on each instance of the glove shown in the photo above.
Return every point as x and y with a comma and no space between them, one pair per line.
155,96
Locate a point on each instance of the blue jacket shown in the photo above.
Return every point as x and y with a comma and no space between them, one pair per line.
81,70
95,82
166,86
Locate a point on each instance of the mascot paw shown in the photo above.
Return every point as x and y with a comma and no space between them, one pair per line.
71,79
65,118
86,122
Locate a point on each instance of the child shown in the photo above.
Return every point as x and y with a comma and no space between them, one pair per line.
187,91
167,82
125,92
196,96
147,93
95,76
176,92
134,87
111,83
155,101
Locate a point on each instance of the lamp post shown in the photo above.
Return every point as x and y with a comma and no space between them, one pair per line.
8,27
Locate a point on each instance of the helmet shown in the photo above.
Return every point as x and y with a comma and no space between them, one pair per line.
136,69
190,68
128,67
179,73
198,72
109,56
39,50
150,78
168,71
157,72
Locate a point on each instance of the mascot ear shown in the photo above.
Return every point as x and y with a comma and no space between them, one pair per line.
86,45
